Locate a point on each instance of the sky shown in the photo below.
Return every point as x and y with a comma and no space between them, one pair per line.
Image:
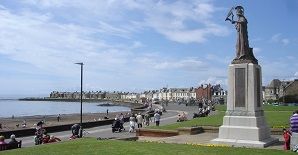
136,45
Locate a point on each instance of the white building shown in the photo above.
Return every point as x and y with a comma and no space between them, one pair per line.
155,95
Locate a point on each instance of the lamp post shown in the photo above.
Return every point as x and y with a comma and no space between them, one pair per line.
207,90
81,125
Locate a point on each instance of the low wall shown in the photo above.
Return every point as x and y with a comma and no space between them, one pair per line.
210,129
185,130
190,130
155,133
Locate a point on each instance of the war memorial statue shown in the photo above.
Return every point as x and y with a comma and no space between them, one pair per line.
244,123
244,54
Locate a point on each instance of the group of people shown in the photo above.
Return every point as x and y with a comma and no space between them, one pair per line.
136,120
145,119
41,135
12,144
204,109
182,117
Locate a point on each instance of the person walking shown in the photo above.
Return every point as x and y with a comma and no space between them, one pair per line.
147,119
58,117
139,120
132,123
157,118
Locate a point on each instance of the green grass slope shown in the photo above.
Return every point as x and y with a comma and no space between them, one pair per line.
91,146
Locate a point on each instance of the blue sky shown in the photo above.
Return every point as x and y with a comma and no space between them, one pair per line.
135,45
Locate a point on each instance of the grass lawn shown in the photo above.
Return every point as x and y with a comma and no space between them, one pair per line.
214,120
91,146
276,116
278,119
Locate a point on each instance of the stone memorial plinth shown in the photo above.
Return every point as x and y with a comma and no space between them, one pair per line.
244,123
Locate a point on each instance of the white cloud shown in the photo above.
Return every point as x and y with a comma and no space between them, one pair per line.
112,30
277,38
137,44
257,50
285,41
278,68
296,74
170,19
156,62
49,36
291,57
186,64
215,80
54,47
179,21
215,58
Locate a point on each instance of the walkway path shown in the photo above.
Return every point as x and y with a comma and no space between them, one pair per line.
106,131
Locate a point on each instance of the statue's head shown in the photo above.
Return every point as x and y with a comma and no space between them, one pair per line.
239,10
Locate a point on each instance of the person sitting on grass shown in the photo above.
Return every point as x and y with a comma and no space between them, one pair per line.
54,139
73,137
46,138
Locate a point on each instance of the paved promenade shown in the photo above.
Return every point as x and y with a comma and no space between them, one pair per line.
106,130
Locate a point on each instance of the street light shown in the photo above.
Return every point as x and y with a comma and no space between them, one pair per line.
207,88
81,125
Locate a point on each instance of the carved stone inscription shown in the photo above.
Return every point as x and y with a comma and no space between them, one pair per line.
258,80
240,87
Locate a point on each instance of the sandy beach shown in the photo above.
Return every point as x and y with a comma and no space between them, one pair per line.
51,120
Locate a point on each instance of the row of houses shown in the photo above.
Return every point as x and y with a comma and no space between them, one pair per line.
276,90
206,91
282,91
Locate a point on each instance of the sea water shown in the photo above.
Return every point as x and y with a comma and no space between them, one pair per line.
9,108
